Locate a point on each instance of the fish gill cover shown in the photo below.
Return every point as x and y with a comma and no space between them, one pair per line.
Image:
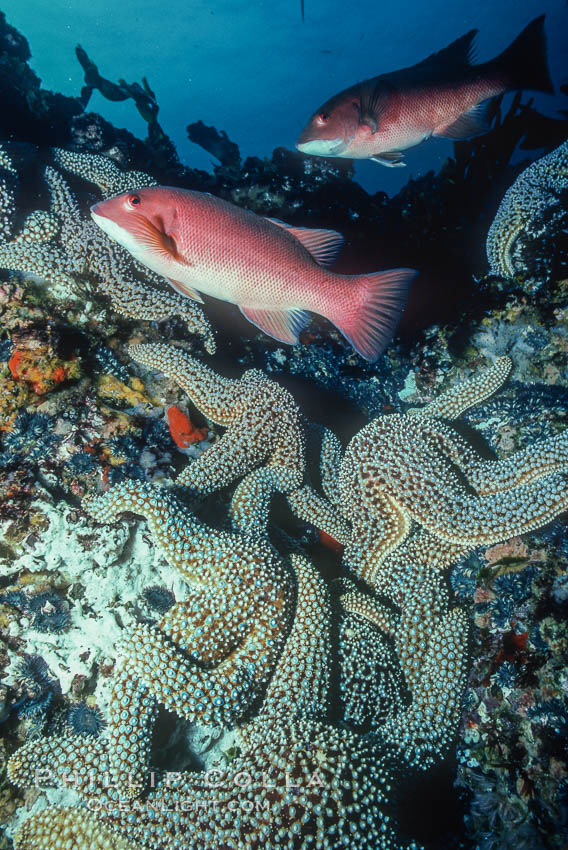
264,591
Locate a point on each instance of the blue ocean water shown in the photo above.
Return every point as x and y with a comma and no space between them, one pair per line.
255,70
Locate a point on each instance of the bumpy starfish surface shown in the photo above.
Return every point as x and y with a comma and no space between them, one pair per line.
420,498
305,777
264,424
537,189
407,470
264,438
300,782
210,657
8,183
63,247
101,171
371,684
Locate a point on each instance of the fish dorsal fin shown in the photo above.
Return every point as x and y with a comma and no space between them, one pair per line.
474,122
323,245
392,159
186,290
283,325
457,56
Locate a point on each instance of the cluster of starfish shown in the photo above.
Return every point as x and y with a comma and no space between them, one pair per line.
64,248
261,640
528,209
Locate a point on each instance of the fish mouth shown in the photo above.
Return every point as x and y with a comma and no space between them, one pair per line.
322,147
98,215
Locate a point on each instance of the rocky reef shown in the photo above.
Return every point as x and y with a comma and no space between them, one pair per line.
222,557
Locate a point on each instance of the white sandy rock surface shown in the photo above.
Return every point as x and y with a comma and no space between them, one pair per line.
107,568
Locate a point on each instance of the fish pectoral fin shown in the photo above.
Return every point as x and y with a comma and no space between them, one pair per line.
186,290
370,121
374,97
154,239
392,159
474,122
283,325
323,245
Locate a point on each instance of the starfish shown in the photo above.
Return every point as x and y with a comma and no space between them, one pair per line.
64,248
536,191
210,657
8,184
420,498
102,171
413,469
371,684
301,781
265,437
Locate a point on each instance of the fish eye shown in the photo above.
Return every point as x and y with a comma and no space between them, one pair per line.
133,200
323,118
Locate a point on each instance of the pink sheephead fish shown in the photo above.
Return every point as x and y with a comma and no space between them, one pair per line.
274,273
445,95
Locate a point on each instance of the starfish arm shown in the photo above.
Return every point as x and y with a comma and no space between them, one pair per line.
129,731
182,539
73,760
101,171
379,523
530,464
447,442
231,457
42,260
424,600
57,826
451,404
8,187
310,507
215,396
63,201
330,462
484,520
371,684
300,682
377,531
425,730
250,505
270,422
524,205
392,577
139,301
204,557
35,251
500,242
364,606
166,665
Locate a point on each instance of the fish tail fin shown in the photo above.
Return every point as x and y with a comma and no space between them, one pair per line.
371,318
525,62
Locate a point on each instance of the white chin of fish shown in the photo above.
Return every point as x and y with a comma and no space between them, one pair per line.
116,233
322,147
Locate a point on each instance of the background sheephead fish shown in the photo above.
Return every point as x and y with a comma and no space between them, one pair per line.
442,96
275,273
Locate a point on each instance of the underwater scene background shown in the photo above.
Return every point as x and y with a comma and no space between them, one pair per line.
283,447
